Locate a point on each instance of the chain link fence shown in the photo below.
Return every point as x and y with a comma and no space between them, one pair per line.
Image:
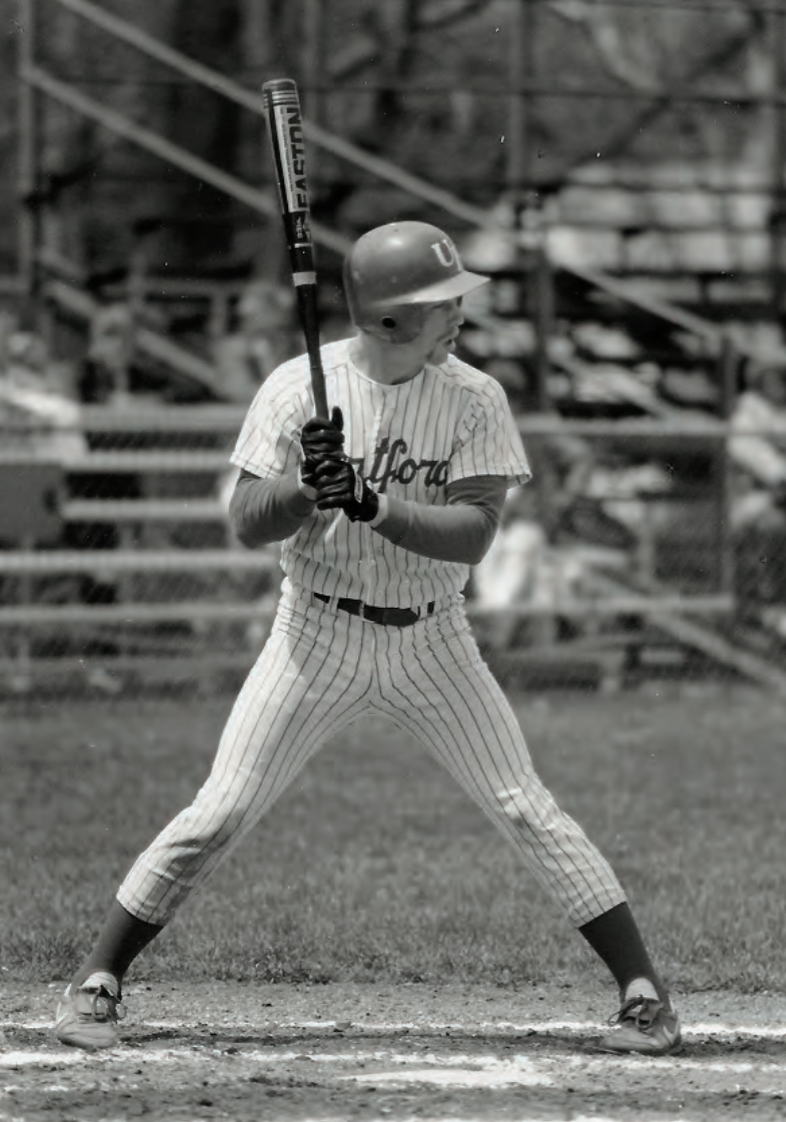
639,550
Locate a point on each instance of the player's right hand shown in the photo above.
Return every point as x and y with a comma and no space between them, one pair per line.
320,440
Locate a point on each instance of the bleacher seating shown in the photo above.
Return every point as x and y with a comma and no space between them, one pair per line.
161,575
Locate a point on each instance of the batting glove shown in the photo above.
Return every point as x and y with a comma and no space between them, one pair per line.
340,487
321,440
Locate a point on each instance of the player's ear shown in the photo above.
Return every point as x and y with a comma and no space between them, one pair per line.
337,417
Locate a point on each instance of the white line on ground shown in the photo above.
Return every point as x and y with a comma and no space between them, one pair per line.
719,1029
409,1067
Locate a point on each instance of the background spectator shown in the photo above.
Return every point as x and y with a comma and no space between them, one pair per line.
37,409
265,336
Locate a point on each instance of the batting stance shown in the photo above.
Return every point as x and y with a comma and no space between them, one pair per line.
382,509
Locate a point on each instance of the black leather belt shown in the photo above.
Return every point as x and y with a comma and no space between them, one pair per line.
387,617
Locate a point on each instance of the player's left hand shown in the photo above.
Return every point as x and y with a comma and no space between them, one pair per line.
339,487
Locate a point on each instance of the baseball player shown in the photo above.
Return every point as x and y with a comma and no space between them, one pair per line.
382,509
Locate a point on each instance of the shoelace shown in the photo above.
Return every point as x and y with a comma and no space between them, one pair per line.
105,1006
642,1011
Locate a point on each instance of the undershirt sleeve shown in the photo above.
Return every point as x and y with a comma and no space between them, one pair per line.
268,510
461,531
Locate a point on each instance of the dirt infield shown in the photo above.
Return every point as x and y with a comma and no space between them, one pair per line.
334,1052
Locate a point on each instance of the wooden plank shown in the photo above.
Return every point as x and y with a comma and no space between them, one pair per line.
135,417
111,561
159,667
139,461
36,615
144,510
612,603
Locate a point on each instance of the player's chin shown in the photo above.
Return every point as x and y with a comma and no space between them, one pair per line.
441,351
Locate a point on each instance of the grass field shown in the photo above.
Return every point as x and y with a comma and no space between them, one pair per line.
374,866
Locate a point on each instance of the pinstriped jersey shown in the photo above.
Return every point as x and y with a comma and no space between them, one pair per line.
408,440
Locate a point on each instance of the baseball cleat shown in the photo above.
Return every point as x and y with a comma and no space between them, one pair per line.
644,1025
87,1017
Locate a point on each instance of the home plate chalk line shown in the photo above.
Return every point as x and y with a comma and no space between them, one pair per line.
363,1060
719,1030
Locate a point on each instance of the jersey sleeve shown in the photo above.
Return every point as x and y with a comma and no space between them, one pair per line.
488,441
268,444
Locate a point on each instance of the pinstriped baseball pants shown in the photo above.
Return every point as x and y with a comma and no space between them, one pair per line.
321,669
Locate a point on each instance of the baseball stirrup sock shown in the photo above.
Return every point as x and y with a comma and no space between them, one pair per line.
121,939
615,938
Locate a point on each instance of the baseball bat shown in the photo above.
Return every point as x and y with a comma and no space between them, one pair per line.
281,104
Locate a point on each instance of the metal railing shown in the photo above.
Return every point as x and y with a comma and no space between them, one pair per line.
34,77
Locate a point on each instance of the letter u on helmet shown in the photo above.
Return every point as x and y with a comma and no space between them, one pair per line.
394,270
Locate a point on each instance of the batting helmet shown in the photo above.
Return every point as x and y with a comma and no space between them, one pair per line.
392,271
